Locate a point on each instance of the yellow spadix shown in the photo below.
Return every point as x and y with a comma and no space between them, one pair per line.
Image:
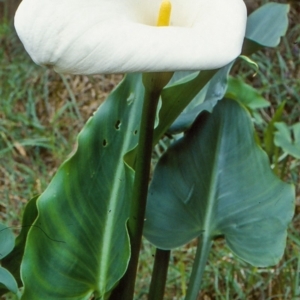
164,15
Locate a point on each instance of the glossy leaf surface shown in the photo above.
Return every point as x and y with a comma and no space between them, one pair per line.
79,244
218,181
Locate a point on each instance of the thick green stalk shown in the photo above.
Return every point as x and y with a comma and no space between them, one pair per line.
154,83
159,275
203,249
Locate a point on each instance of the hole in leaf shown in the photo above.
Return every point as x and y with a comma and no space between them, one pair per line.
104,143
135,132
118,125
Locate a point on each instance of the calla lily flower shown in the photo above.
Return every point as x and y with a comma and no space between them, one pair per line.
116,36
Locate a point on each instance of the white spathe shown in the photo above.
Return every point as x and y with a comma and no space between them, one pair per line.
121,36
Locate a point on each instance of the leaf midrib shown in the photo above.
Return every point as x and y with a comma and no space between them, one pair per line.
110,217
213,188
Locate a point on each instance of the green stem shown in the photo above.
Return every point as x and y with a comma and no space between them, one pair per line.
283,168
159,275
276,159
143,160
203,249
154,83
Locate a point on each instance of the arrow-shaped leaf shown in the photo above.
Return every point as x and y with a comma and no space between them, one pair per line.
217,181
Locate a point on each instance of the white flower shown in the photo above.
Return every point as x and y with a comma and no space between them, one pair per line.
116,36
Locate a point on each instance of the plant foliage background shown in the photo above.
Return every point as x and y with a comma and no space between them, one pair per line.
42,112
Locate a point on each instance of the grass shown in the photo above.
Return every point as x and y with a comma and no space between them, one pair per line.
42,112
39,121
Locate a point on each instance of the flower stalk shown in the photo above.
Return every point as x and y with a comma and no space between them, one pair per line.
159,275
153,83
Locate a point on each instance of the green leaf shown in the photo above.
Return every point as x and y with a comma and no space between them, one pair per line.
181,77
265,27
250,62
239,90
206,99
78,245
12,261
176,97
267,24
288,138
216,180
270,130
8,281
7,240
